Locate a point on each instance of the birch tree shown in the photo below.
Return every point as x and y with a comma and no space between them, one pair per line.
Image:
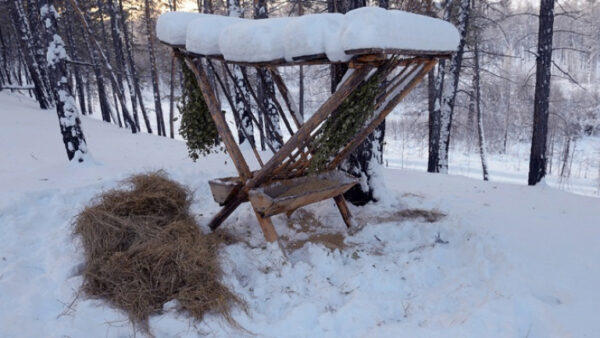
28,48
477,93
446,96
68,117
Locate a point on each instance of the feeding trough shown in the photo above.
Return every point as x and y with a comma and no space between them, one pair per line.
221,188
388,53
289,195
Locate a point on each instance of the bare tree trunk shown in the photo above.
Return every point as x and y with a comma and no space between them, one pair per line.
172,90
537,159
301,73
160,122
26,44
115,114
39,41
88,91
117,38
137,94
105,108
267,91
551,154
433,161
6,64
471,118
446,104
113,78
480,133
565,157
116,105
208,7
73,51
68,118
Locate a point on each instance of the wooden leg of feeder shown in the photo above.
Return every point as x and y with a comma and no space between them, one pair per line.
227,210
289,213
267,227
344,211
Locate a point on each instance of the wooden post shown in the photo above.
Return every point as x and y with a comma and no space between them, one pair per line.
344,211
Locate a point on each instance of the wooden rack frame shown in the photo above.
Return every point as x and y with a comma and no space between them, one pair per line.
403,70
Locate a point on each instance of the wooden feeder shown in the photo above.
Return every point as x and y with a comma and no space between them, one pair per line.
283,183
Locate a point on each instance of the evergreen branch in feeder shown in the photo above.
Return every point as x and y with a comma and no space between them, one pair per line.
197,126
346,122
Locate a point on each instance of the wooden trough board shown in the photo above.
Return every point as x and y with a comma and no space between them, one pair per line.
289,195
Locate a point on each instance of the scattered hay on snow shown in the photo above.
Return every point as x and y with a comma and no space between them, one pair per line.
143,249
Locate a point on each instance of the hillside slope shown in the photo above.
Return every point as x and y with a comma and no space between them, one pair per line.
505,261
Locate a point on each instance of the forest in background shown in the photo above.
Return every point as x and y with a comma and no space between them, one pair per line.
120,73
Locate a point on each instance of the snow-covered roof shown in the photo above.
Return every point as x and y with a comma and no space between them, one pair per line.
333,35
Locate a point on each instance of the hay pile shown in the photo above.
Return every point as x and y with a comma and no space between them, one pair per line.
143,249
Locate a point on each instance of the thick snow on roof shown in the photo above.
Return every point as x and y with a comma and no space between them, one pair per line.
292,37
171,27
203,34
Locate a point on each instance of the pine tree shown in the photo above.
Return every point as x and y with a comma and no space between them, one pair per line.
446,96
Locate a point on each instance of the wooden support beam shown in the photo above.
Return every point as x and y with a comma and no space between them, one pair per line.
332,103
396,82
267,227
234,151
344,211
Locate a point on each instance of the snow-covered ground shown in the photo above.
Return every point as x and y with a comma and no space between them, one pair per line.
512,167
506,261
